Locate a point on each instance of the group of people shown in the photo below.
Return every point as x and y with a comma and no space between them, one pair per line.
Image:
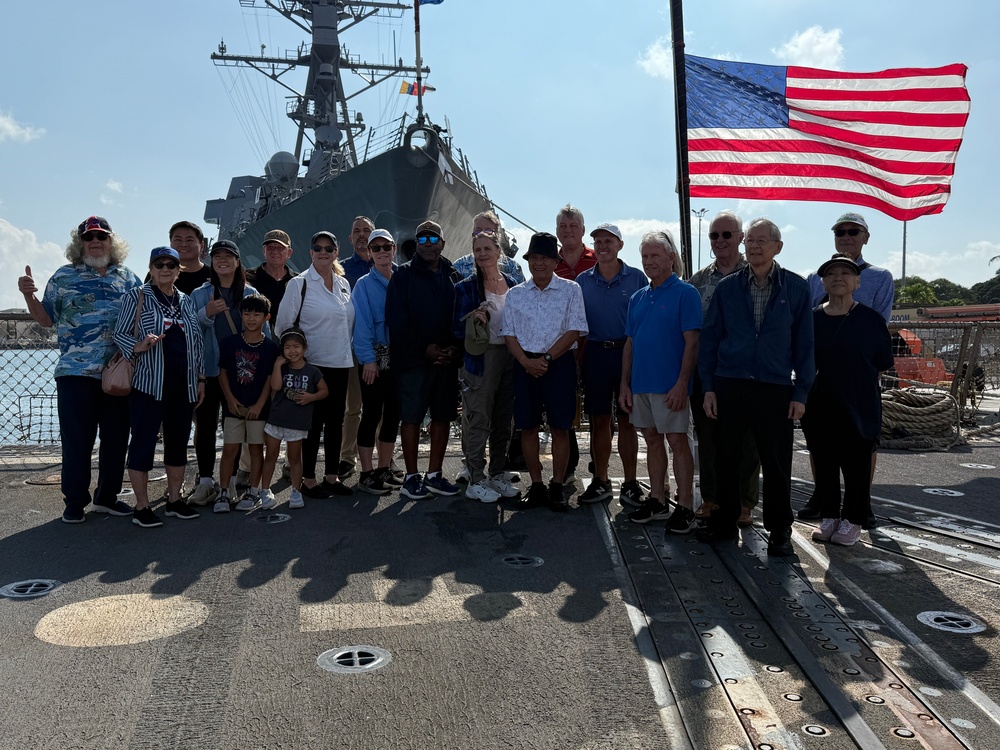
357,354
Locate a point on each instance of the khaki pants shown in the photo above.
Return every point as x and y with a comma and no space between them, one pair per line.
352,418
487,411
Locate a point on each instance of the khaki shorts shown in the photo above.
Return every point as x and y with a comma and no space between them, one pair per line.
648,410
235,430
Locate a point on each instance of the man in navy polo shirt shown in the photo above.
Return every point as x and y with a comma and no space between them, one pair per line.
607,288
658,363
542,320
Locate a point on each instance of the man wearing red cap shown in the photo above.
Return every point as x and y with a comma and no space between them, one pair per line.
82,301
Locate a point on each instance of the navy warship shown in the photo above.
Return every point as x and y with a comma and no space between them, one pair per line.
399,173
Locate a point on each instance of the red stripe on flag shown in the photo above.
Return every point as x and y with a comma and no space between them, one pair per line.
955,69
884,117
875,141
896,95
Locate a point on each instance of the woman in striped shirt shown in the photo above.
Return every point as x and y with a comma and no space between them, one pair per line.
168,383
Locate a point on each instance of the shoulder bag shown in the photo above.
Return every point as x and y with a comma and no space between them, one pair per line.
116,378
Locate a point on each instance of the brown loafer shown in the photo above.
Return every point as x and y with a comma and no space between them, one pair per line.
746,517
705,511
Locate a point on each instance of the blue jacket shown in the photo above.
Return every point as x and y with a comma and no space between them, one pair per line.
418,309
201,297
149,366
370,329
467,299
731,347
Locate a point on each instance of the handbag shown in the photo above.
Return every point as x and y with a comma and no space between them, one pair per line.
116,378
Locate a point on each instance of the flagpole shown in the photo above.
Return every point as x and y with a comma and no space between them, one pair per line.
680,109
902,282
420,63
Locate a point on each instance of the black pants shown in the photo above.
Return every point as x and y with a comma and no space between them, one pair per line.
379,405
328,422
835,446
84,408
761,408
206,423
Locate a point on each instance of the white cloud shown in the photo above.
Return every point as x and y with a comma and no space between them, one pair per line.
657,60
814,48
966,266
12,130
114,186
107,200
20,248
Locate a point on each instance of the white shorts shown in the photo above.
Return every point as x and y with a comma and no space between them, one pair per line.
285,433
648,410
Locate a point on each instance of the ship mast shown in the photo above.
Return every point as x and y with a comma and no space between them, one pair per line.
321,108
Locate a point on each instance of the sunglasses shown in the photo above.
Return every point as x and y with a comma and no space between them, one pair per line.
160,264
380,247
425,239
323,248
90,236
713,236
484,232
854,232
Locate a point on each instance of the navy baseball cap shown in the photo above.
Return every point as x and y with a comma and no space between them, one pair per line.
163,252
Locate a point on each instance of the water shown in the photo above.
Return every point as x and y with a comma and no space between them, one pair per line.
28,397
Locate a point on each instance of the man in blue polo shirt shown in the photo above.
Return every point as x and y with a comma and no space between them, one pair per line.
658,363
607,288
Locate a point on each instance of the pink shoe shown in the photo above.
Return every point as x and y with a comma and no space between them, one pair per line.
827,528
846,534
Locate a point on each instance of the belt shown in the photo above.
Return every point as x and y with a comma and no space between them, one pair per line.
534,355
616,344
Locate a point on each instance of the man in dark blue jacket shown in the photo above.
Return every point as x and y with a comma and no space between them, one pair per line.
424,355
756,367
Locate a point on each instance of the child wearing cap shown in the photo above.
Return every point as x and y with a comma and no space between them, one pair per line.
296,385
245,365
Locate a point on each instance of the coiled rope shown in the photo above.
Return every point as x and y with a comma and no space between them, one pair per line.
914,420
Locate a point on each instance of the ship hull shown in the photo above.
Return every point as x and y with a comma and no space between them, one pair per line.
397,189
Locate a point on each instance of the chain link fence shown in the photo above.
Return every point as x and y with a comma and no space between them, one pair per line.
28,355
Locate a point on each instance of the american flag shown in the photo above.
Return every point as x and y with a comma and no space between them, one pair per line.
886,140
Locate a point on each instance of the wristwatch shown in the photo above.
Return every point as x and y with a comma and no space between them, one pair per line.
547,357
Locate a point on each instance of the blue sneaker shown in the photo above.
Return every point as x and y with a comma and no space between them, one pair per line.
440,486
414,488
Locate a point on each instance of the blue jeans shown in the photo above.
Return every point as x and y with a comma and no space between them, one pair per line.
84,409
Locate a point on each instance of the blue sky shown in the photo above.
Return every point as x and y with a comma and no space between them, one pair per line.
114,107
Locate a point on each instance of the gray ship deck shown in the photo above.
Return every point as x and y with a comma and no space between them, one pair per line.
206,634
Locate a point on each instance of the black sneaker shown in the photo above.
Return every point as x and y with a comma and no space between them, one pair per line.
345,469
557,497
335,489
146,518
389,478
681,521
74,515
631,494
371,481
316,493
651,510
597,491
779,544
810,511
537,496
177,509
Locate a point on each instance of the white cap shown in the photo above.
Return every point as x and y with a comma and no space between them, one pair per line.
851,218
610,228
380,234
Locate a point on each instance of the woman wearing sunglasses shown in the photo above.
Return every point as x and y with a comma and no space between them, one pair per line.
168,382
318,303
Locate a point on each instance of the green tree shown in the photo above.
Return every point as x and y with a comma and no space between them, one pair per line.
987,292
950,293
917,292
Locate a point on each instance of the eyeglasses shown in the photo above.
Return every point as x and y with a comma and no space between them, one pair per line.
322,248
380,247
160,264
713,236
91,236
425,239
853,232
757,241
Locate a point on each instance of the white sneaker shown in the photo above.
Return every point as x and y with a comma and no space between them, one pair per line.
464,476
296,501
482,492
846,534
501,485
203,494
221,504
267,500
511,476
247,502
827,528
